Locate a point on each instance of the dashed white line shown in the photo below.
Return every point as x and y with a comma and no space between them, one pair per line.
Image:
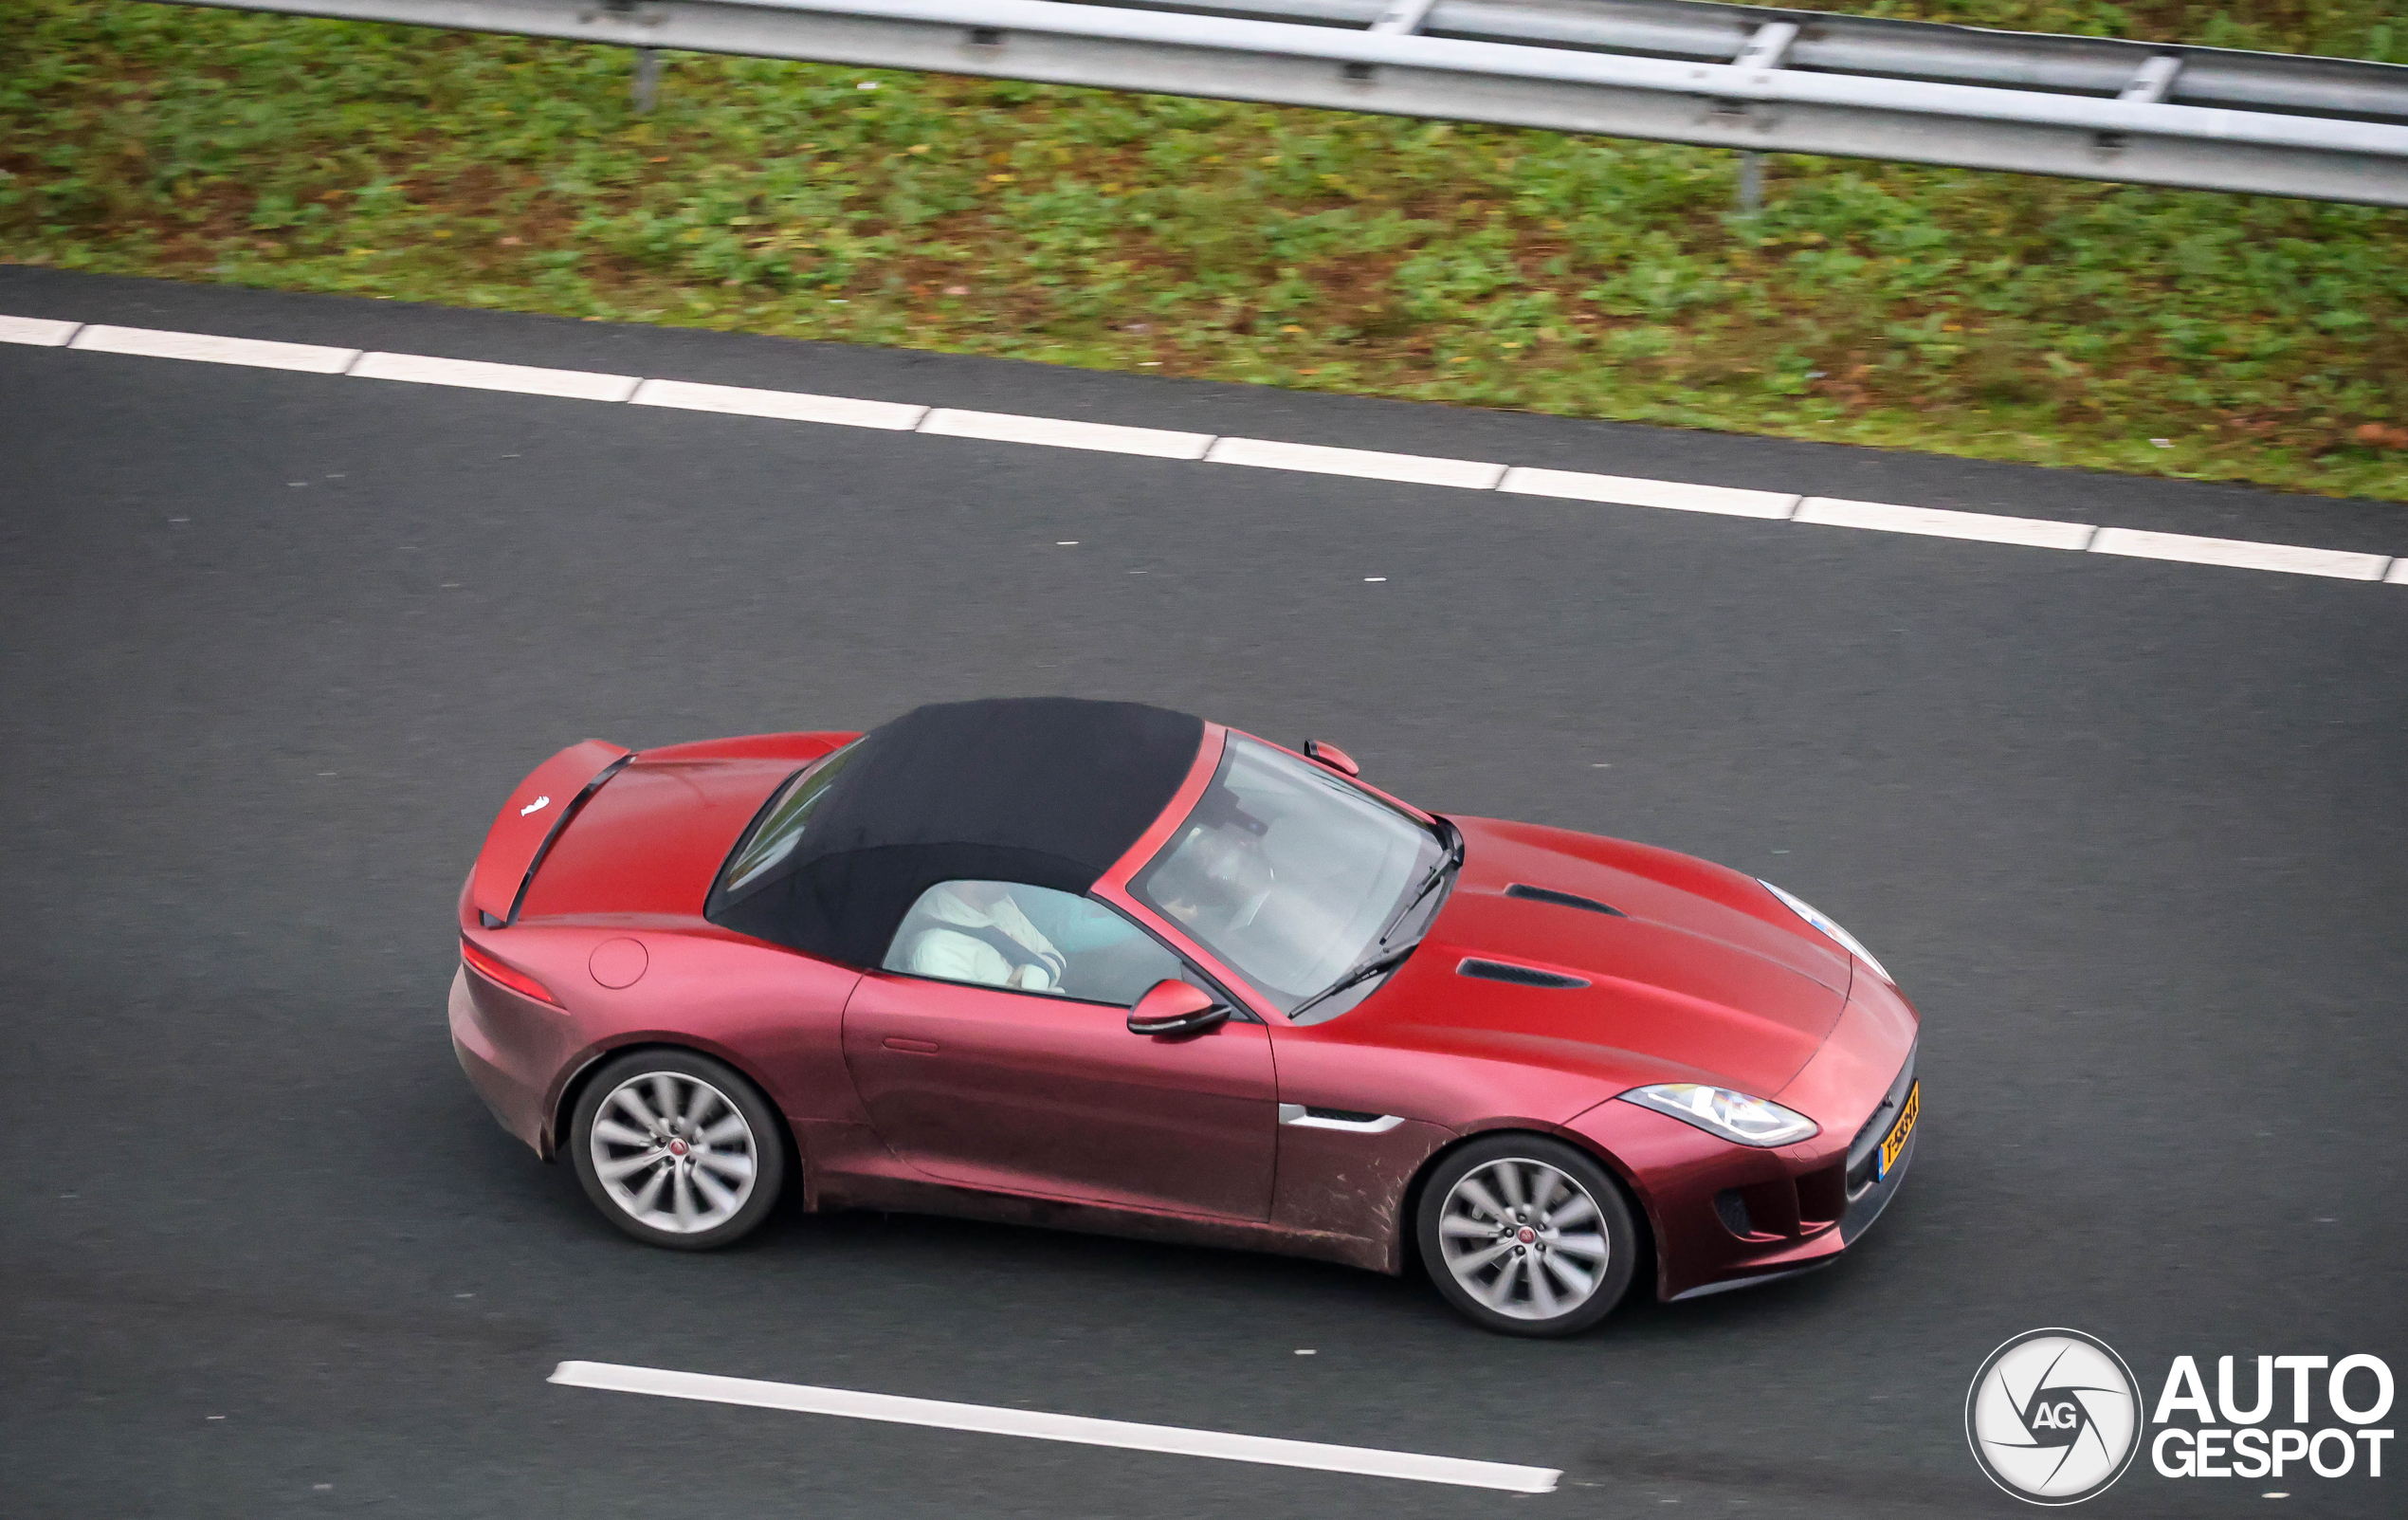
1062,433
252,351
1628,490
2040,533
1079,1429
40,331
476,375
789,406
1364,464
2240,554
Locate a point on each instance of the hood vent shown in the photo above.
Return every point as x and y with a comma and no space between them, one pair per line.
1548,894
1519,976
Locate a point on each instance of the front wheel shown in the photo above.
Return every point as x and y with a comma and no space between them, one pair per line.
1526,1236
677,1149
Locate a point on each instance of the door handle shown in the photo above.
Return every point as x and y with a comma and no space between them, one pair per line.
917,1046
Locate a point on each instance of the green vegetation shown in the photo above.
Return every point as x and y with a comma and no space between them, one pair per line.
1986,315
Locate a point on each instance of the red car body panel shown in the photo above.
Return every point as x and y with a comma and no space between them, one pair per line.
651,839
1000,1090
903,1092
530,819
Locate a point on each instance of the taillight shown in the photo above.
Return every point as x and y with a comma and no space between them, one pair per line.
503,975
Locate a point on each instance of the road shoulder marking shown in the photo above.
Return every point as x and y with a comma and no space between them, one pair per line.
1176,1441
477,374
1931,522
1630,490
786,406
1261,453
252,353
1362,464
39,331
2241,553
1063,432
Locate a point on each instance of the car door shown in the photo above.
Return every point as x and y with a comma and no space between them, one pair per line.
1038,1091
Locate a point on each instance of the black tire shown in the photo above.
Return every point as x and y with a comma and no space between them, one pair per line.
1507,1269
691,1161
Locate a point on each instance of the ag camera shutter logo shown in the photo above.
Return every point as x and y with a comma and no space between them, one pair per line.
2053,1417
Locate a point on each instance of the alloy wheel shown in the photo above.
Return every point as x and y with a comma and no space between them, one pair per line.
673,1153
1524,1238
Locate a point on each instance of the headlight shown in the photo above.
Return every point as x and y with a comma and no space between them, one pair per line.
1722,1111
1823,921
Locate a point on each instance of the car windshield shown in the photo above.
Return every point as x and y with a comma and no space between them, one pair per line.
1285,872
781,827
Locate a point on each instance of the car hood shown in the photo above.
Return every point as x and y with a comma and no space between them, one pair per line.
1696,974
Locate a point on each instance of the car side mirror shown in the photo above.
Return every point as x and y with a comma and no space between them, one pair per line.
1174,1007
1331,756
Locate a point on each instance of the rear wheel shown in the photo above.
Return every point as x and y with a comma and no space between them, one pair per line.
1526,1236
677,1149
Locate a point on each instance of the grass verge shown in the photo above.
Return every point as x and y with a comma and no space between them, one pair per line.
1992,316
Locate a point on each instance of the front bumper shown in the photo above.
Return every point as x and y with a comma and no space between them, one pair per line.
1867,1195
1727,1216
1866,1206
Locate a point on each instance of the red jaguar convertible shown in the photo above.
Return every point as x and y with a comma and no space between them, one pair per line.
1100,967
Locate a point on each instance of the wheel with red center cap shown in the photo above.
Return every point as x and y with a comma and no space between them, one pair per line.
1526,1236
677,1149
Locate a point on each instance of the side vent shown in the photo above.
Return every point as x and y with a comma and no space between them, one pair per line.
1352,1121
1548,894
1519,976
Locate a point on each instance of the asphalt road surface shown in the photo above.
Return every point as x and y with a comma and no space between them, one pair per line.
275,646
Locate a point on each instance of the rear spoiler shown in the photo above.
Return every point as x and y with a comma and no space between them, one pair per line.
537,812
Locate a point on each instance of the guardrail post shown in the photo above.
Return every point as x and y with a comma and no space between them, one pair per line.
1767,48
648,79
2150,84
645,89
2153,81
1403,17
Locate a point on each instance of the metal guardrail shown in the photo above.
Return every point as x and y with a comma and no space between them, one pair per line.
1723,76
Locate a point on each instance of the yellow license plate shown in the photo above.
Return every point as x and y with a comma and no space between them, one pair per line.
1895,1142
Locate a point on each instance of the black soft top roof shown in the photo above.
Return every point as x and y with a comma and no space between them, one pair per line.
1049,790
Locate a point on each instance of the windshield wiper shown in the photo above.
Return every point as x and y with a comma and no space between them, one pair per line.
1447,861
1362,973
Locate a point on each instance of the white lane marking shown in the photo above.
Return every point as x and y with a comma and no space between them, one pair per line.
1364,464
1063,432
2240,554
1175,1439
790,406
255,353
2040,533
1630,490
39,331
1060,433
476,375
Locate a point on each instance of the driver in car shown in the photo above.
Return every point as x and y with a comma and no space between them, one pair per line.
1219,876
980,935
